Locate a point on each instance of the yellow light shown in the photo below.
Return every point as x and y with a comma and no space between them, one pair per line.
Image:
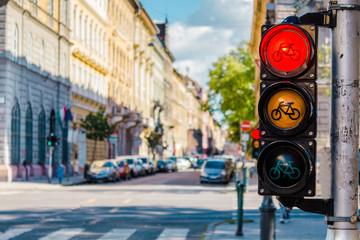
256,144
286,109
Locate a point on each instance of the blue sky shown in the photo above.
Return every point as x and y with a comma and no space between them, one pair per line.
201,31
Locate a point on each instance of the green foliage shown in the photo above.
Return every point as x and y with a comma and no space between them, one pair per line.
153,139
298,4
324,61
97,127
232,88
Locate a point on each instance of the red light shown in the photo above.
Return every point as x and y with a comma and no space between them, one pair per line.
255,134
286,50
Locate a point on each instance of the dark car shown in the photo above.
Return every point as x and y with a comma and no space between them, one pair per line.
103,171
161,166
140,168
199,163
216,170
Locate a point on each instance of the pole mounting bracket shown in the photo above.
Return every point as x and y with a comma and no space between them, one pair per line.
319,206
331,219
344,7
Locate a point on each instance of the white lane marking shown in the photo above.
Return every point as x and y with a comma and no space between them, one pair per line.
63,234
173,234
9,193
118,234
13,232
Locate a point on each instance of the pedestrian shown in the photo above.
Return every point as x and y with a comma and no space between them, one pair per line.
86,169
60,173
127,171
285,214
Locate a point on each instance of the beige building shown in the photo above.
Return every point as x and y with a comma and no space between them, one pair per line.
145,31
121,32
89,73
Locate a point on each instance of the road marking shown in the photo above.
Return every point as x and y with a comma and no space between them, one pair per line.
9,193
13,232
127,201
173,234
63,234
91,200
114,210
118,234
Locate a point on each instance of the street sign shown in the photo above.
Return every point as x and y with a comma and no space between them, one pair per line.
245,126
245,137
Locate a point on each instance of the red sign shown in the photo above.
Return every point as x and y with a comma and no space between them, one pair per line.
245,126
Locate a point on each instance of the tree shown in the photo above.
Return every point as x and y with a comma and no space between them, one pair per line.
232,89
153,139
97,127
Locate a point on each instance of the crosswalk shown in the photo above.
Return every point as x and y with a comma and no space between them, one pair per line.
113,234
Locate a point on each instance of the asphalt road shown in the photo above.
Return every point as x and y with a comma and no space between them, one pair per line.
161,206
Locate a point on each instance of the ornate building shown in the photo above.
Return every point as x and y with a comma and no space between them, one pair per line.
89,73
34,59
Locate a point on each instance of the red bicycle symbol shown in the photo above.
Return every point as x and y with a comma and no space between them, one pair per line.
288,50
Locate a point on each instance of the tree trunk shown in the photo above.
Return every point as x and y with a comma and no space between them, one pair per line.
94,150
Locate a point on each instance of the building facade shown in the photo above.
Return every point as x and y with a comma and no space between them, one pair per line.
34,59
89,74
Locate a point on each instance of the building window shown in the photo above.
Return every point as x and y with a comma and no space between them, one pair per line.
29,55
50,7
80,27
53,60
65,150
53,130
91,34
64,65
74,73
95,40
74,23
28,135
42,55
15,133
42,136
16,43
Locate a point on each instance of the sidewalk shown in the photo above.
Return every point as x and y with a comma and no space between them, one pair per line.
40,183
302,225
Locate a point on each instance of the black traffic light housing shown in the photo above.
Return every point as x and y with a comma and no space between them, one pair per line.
52,140
287,110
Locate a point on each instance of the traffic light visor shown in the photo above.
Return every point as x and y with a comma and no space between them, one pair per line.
286,50
286,109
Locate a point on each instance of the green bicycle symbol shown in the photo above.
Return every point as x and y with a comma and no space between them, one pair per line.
290,171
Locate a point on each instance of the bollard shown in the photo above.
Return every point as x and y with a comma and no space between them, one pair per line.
240,212
245,176
267,219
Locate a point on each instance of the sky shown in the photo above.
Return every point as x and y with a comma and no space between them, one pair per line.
201,31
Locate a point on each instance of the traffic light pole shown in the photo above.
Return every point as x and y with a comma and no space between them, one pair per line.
345,121
50,165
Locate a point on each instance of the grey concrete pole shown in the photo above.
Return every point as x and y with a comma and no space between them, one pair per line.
345,122
267,219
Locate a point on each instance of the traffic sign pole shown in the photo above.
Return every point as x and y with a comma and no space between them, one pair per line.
345,121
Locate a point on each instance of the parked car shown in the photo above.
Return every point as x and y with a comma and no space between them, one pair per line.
171,165
182,163
216,170
133,166
146,164
124,169
103,170
199,163
152,167
161,166
140,168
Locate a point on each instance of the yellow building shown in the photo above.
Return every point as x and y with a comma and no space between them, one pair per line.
145,31
121,30
89,70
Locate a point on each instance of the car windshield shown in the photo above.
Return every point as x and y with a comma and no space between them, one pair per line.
139,163
200,161
96,165
169,161
130,161
214,164
121,164
143,160
160,162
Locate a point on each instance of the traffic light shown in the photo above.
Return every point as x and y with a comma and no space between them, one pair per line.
52,140
255,134
287,110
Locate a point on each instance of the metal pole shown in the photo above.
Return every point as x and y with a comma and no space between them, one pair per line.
240,187
345,122
267,219
50,165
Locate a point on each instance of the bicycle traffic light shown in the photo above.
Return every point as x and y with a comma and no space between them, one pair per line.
287,110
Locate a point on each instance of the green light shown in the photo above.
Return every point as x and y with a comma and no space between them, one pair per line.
49,143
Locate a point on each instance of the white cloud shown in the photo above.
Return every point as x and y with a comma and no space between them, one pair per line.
210,32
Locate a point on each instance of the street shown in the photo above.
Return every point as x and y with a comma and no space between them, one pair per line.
161,206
